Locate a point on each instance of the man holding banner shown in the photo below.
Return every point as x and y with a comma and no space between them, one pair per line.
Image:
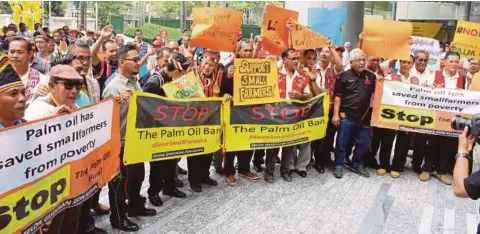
129,181
426,78
163,173
244,50
292,86
386,136
323,76
442,149
65,85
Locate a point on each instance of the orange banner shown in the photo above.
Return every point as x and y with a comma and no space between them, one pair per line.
387,38
274,29
216,28
303,37
55,163
412,108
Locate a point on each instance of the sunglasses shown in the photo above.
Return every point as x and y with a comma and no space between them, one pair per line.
68,85
422,60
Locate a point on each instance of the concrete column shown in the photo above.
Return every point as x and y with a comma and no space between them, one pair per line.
353,23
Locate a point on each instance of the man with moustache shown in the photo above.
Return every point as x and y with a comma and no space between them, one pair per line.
244,50
383,138
65,84
353,92
129,181
322,79
440,150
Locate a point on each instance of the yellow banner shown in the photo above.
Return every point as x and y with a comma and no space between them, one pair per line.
55,163
466,39
411,108
159,128
429,30
256,82
188,86
275,125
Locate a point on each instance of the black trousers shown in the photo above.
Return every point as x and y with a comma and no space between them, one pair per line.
401,150
243,158
66,221
321,148
199,168
271,156
162,176
382,139
126,185
421,148
439,154
258,157
86,220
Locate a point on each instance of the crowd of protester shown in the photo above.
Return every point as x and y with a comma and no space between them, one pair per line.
51,72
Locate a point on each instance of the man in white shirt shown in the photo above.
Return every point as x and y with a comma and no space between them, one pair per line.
472,70
426,76
292,86
23,31
19,53
346,54
441,149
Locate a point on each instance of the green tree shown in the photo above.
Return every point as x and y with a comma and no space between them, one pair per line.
58,8
5,8
107,9
169,9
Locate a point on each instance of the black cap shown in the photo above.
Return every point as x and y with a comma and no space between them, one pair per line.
179,62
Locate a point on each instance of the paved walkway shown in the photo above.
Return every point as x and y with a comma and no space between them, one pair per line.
316,204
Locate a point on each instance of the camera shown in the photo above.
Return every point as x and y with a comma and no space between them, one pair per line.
473,124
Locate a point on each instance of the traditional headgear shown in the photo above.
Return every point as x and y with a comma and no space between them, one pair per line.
8,76
179,61
212,55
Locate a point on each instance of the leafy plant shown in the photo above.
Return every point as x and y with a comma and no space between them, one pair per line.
152,30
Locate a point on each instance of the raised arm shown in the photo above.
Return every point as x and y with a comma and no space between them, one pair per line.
104,36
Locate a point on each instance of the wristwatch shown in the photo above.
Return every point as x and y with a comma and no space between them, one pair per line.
463,155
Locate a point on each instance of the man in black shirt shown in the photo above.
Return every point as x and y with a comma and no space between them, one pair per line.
163,173
353,93
463,184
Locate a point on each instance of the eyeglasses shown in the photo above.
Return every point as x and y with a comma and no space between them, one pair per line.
68,85
83,58
422,60
135,60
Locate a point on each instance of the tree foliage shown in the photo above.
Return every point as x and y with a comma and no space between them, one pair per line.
170,9
107,9
58,8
